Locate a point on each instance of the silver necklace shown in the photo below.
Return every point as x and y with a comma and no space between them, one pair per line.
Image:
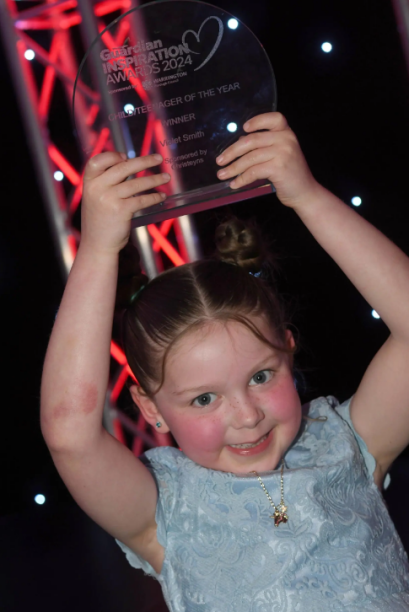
280,512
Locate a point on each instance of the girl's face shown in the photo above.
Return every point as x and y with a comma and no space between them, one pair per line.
224,387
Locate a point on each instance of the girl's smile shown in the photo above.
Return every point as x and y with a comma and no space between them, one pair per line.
249,449
225,388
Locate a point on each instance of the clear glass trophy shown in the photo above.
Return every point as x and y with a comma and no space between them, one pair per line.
179,78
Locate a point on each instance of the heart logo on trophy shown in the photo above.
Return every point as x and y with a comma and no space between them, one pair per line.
196,35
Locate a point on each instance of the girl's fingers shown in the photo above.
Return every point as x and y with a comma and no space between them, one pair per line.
134,186
100,163
252,158
254,173
120,172
244,145
143,201
268,121
116,168
273,122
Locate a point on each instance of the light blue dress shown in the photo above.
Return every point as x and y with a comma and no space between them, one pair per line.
339,550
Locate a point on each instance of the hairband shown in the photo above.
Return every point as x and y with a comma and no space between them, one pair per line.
136,294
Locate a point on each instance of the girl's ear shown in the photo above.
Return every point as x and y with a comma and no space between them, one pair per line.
290,338
291,345
148,409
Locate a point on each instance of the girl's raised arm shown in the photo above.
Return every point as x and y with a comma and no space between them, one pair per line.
377,268
104,477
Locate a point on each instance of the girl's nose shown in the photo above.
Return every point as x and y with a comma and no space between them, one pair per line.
245,413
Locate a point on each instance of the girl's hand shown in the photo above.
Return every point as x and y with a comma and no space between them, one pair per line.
274,155
110,201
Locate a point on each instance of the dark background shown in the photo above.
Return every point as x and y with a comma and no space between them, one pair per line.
349,109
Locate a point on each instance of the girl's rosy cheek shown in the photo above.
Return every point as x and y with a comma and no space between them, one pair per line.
205,433
283,404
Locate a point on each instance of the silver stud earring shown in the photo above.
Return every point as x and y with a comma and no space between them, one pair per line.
158,424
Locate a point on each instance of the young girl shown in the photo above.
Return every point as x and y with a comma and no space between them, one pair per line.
262,510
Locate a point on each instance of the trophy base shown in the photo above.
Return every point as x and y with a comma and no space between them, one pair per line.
200,199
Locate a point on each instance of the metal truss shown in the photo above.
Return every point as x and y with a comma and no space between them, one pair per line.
53,30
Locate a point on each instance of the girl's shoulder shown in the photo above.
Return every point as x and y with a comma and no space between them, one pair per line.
168,456
167,464
323,408
326,417
327,435
324,436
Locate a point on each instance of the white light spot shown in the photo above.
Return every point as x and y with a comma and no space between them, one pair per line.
39,499
131,154
129,109
233,24
326,47
29,54
232,127
356,201
58,175
375,315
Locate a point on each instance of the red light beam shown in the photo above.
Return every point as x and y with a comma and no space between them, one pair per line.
63,164
165,245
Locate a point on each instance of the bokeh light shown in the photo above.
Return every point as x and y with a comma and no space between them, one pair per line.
232,24
129,108
232,127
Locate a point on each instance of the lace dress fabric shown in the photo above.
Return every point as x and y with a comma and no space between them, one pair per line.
338,552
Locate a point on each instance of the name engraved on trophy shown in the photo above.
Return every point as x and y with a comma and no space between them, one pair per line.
183,138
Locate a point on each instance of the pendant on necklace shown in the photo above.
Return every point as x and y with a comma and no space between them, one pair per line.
280,512
280,515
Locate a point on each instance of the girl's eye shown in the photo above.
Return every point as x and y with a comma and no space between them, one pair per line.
261,377
204,400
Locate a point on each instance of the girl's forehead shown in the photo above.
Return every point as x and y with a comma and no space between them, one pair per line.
218,354
214,339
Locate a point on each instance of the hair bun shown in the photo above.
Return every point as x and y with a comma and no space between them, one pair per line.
130,276
240,243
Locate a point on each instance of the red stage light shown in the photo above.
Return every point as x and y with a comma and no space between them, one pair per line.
63,164
165,245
